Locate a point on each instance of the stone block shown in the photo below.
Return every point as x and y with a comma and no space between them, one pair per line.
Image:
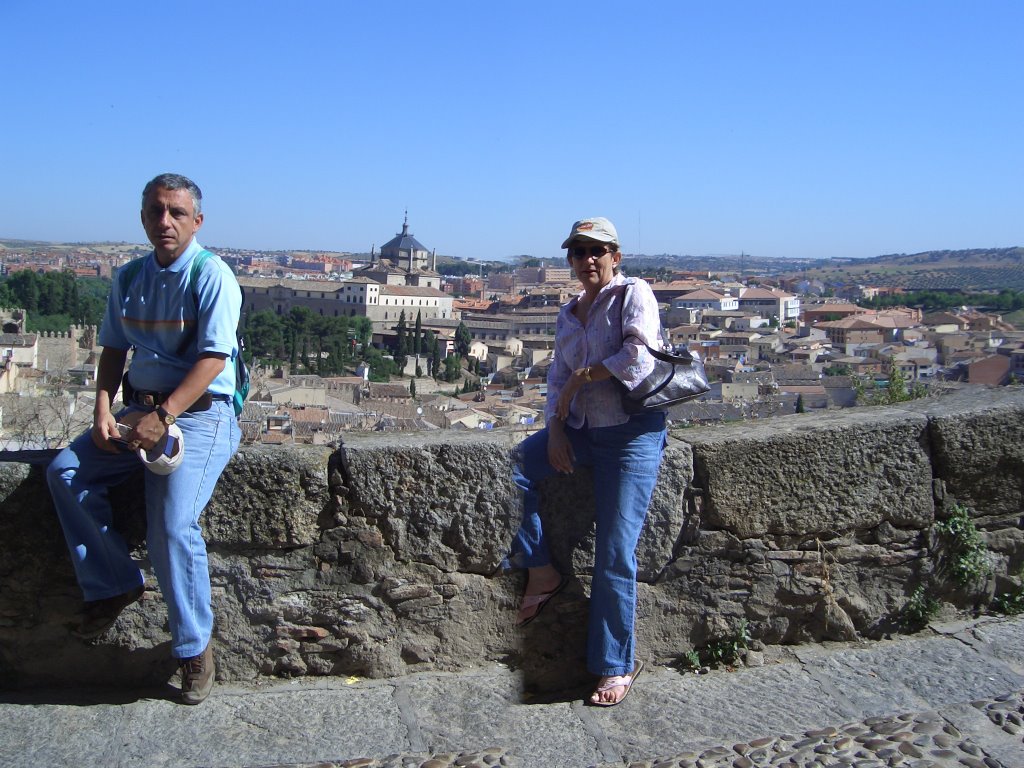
815,474
977,441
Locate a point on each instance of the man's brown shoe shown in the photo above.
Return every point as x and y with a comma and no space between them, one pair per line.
197,676
99,615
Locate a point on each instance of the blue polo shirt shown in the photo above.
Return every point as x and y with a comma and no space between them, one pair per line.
157,315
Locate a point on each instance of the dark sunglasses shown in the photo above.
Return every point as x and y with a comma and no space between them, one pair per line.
582,251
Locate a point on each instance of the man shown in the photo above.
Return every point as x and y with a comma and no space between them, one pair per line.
179,315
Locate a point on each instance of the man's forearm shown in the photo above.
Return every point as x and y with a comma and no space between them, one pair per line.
108,377
195,383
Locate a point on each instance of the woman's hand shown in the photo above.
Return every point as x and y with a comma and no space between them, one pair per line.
567,393
560,453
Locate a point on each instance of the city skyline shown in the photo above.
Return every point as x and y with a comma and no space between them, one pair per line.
797,130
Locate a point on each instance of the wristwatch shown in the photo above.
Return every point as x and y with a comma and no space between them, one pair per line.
165,417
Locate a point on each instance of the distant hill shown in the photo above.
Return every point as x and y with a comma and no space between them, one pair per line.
975,269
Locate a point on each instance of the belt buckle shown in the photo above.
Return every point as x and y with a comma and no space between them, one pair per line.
148,399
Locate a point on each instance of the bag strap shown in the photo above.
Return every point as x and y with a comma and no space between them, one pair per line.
622,310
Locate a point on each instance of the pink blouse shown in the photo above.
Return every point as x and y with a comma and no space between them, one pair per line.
608,337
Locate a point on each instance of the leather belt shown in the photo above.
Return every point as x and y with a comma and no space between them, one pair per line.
153,399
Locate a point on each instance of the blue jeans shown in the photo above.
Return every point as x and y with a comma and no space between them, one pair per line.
624,461
79,479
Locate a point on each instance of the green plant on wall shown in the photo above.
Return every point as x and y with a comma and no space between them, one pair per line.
1010,603
721,651
919,609
968,561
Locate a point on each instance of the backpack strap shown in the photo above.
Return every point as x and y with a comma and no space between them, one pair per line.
127,273
193,278
241,373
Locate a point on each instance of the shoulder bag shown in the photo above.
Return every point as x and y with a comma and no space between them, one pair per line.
676,378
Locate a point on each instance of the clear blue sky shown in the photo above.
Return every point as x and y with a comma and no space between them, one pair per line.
802,129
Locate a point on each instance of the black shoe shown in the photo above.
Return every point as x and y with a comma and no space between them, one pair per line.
99,615
197,676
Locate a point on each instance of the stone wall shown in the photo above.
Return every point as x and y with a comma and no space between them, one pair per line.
383,556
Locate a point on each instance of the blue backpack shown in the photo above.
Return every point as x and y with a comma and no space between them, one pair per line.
132,268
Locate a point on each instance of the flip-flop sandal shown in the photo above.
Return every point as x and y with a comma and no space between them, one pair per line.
529,601
618,681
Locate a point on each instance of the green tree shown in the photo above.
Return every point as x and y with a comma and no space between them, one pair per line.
24,284
859,391
463,340
428,349
412,388
435,357
452,368
265,336
417,338
363,328
299,320
7,296
381,367
402,345
799,403
897,389
322,328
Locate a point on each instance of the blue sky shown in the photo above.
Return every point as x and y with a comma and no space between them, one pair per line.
800,129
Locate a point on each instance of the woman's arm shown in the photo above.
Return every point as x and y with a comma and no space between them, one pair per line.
641,324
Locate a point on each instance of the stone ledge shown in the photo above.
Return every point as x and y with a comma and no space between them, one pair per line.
383,556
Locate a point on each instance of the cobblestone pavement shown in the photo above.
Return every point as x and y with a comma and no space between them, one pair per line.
914,741
949,696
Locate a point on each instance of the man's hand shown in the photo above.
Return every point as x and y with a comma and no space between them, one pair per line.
104,427
147,429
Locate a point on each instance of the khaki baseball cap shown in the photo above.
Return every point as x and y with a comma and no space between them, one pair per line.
597,228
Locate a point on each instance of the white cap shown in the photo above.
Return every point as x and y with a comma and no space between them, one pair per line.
164,457
597,228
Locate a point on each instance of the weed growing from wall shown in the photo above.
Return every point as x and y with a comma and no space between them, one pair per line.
1010,603
720,652
968,561
919,609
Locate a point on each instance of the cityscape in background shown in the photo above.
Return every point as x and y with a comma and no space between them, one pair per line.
400,338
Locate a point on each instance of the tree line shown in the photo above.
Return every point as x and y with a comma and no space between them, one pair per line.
930,301
333,346
306,342
55,301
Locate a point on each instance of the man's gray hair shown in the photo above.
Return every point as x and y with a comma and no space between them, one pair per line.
173,181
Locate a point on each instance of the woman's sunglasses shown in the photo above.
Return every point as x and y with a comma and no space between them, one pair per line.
582,251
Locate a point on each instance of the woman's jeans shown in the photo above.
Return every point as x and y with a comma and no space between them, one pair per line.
624,461
79,480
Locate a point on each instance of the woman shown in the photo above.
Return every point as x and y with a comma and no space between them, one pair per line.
597,345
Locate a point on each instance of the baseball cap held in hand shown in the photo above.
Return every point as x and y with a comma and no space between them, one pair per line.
165,457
